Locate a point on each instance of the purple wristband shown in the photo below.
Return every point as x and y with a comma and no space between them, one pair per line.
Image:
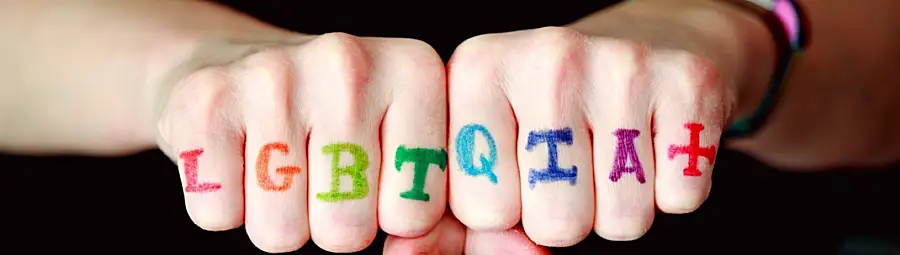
787,23
787,12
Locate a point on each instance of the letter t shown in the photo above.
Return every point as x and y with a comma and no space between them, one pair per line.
421,158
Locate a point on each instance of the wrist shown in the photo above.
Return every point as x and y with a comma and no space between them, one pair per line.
754,53
186,56
735,40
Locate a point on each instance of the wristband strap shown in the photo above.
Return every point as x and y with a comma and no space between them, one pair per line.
788,25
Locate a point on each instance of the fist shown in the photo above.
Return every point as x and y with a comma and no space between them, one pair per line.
311,140
575,132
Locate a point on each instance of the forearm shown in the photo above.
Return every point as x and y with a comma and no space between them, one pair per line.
701,27
840,106
86,77
842,85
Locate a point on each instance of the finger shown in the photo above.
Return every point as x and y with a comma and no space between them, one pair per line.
484,177
689,121
447,237
344,151
623,150
511,241
554,146
200,127
275,180
413,189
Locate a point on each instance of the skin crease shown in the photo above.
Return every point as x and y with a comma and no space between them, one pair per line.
847,72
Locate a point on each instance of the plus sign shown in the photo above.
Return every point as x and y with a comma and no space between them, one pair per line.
693,150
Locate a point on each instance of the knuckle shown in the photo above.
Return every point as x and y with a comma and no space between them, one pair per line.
344,57
554,44
624,49
204,98
624,67
552,64
414,47
474,64
621,56
267,81
474,47
338,67
554,35
693,78
414,63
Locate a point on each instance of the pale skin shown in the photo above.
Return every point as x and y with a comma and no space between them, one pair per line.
133,70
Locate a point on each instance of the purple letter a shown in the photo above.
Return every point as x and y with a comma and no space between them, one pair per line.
624,151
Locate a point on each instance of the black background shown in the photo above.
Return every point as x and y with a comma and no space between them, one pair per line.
134,204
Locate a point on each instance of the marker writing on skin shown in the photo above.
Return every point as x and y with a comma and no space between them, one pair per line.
356,172
465,152
421,158
693,150
625,153
553,172
191,161
262,168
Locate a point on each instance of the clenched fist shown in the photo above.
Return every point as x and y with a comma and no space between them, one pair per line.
327,139
575,132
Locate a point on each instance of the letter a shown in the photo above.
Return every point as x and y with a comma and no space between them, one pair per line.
356,171
625,151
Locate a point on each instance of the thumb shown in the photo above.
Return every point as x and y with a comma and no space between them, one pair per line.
447,237
510,241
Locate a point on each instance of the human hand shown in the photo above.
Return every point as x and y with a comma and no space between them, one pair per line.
577,132
331,131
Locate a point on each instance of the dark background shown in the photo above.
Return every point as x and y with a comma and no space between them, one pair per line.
135,204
